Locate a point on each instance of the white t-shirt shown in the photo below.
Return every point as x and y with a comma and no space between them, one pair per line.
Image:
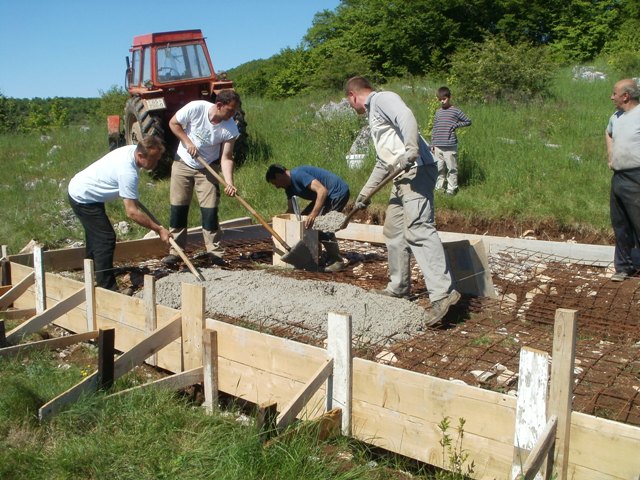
206,136
114,175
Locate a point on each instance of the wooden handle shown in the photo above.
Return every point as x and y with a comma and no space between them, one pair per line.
378,187
174,244
244,203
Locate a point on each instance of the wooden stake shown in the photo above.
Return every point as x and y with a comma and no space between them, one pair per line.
40,281
340,385
106,351
210,361
560,397
90,290
150,312
266,420
3,336
192,325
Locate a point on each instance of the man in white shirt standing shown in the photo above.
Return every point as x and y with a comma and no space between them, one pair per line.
115,175
209,130
623,147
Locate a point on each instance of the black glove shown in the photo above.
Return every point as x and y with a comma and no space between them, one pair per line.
362,202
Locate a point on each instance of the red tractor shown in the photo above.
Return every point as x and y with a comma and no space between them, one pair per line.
165,72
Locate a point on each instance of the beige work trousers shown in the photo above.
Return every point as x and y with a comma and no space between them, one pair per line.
184,181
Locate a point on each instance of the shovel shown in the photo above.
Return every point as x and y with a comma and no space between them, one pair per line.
337,224
299,255
175,246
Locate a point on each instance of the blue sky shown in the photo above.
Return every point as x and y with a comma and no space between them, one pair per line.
72,48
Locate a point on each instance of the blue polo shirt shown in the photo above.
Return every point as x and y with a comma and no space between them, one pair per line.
301,178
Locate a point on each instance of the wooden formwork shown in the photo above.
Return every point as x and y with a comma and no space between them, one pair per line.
382,405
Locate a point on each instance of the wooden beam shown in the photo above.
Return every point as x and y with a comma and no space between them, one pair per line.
561,391
192,325
18,289
210,363
18,313
106,351
176,381
540,451
4,288
340,385
153,343
39,321
531,405
88,385
49,344
289,413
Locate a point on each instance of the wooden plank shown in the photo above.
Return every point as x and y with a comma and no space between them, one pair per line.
210,361
293,408
176,381
17,313
49,344
531,405
45,318
88,385
267,352
4,289
106,352
18,289
560,396
540,451
339,333
432,399
154,342
192,325
419,439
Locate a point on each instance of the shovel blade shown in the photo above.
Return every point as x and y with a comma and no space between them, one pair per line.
300,257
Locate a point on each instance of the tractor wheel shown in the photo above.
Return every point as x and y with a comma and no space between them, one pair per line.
139,123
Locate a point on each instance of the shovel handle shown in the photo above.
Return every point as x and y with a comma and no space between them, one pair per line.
175,245
377,188
244,203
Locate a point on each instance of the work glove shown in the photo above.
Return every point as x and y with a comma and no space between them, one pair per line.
362,202
404,163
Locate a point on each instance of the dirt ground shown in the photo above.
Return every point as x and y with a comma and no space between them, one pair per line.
481,339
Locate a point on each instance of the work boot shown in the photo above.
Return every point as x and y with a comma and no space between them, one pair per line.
439,308
335,262
619,276
171,260
212,258
336,266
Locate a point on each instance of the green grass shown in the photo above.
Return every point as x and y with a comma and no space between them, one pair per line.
148,435
507,167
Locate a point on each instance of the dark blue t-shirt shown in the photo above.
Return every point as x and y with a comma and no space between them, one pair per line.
301,178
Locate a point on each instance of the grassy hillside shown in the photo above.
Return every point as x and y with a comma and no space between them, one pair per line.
529,162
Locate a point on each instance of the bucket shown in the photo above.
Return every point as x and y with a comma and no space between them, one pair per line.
355,160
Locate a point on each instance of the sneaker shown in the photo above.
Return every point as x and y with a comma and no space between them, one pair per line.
619,276
439,308
336,266
171,260
389,293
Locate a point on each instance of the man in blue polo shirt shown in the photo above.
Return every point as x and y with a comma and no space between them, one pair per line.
326,191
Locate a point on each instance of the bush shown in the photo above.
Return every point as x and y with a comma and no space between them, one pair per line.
622,52
494,70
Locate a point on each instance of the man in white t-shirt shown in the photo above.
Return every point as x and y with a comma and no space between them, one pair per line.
209,130
114,176
623,147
